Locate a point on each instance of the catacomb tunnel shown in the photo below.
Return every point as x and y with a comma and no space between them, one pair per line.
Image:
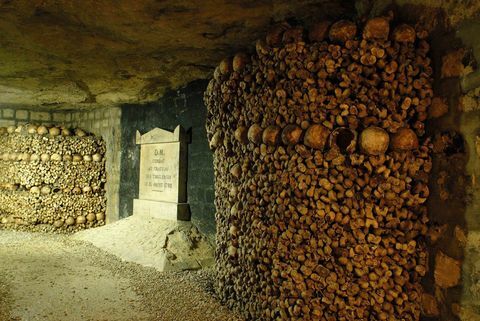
239,160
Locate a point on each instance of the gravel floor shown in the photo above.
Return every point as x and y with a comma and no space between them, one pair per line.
52,277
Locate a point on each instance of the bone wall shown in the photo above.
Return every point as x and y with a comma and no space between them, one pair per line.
104,122
52,178
452,280
322,168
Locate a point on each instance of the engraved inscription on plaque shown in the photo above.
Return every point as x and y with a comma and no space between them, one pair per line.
159,169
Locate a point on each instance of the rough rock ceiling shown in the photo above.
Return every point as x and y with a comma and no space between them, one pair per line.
82,53
64,54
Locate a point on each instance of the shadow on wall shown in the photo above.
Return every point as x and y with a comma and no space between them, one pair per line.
181,107
452,284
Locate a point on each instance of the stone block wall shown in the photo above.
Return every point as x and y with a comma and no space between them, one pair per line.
104,122
181,107
11,116
454,201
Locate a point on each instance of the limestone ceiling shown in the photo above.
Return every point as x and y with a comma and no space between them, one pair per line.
84,53
81,53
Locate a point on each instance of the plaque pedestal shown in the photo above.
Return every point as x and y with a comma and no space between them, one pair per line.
162,210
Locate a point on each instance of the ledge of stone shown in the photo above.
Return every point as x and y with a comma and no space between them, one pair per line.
163,245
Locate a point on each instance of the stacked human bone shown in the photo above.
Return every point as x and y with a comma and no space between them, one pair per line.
51,178
321,172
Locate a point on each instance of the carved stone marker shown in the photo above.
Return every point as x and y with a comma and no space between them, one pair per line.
163,175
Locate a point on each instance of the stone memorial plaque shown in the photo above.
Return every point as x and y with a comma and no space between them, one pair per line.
163,166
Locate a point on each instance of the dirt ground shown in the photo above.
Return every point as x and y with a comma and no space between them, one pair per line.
54,278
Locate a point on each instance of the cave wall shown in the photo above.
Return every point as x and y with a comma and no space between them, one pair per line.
454,192
104,122
458,202
180,107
